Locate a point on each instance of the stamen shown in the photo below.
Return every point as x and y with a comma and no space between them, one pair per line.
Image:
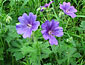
67,11
50,32
29,25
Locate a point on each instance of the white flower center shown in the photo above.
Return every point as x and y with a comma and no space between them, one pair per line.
50,32
67,11
29,25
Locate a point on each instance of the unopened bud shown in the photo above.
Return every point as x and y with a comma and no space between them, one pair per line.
61,14
8,19
69,39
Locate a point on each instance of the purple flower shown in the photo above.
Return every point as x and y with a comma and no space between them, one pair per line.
42,8
27,24
68,9
46,5
50,30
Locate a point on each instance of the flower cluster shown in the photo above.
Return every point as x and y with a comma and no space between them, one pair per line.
50,29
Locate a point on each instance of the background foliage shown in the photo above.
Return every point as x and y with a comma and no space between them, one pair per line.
14,50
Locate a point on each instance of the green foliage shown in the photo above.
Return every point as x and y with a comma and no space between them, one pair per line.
11,34
36,52
1,53
83,25
48,64
18,50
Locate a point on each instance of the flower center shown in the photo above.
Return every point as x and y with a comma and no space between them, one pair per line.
50,32
29,25
67,11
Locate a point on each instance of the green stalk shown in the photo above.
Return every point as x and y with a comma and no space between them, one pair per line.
68,61
12,60
67,24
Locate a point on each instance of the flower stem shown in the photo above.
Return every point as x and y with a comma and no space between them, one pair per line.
67,23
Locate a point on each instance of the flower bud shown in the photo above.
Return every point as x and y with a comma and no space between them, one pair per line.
61,14
8,19
69,39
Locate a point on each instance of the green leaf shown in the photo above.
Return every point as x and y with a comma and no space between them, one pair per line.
82,25
76,55
25,2
19,49
45,50
18,55
12,34
75,1
25,50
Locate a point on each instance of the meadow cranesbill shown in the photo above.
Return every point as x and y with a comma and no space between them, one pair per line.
68,9
45,6
27,24
50,30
